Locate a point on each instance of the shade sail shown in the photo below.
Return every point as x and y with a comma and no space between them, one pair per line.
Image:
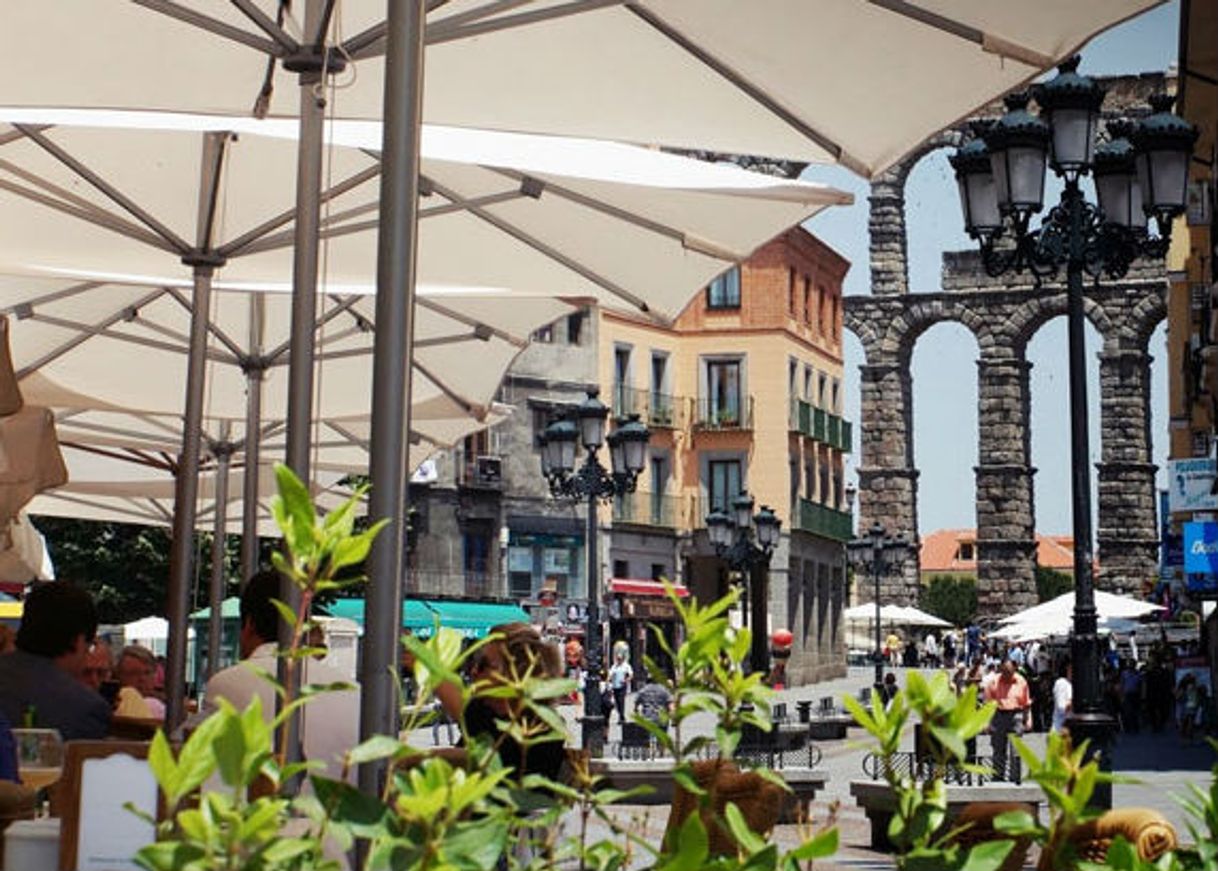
851,81
507,214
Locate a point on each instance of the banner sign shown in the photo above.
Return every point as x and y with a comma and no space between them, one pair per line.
1201,555
1171,550
1191,482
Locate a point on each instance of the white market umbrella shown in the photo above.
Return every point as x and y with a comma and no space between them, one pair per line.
780,78
912,616
866,612
1059,626
1107,606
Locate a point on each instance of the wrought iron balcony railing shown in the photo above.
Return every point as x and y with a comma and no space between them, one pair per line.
713,414
647,509
820,425
656,410
823,521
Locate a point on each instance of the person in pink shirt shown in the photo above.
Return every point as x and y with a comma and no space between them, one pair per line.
1009,692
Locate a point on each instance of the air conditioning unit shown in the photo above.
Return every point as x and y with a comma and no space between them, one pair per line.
488,471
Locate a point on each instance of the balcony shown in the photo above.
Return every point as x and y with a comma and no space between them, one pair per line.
710,414
820,425
823,521
481,472
656,410
646,509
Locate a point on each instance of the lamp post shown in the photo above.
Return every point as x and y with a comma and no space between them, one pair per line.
745,542
1141,173
878,553
592,482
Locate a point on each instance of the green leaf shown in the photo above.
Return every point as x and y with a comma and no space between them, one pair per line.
1015,823
746,838
164,768
364,815
228,747
376,747
987,856
287,614
297,512
824,844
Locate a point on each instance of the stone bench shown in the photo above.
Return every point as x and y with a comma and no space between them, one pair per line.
805,783
878,802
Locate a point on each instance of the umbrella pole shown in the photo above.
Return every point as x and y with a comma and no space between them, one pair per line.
223,452
392,355
254,369
309,63
203,262
185,496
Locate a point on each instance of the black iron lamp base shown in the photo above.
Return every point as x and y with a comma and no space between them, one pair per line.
1099,730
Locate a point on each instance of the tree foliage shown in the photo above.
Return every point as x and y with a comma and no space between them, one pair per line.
126,566
1050,583
950,598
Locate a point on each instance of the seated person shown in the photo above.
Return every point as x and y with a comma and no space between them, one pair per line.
519,649
136,671
329,725
40,682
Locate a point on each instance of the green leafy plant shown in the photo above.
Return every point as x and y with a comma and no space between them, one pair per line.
918,829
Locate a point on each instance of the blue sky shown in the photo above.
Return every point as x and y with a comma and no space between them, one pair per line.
944,371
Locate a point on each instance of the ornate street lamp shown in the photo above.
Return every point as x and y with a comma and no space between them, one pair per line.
878,554
592,482
746,542
1141,172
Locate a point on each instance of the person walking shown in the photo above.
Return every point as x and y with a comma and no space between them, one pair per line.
621,673
1009,693
1063,697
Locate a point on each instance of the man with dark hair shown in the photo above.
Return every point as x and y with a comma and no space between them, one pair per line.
41,681
330,720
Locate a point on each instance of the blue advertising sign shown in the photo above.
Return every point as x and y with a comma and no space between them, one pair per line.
1201,555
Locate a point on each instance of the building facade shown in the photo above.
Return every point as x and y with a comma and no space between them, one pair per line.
742,392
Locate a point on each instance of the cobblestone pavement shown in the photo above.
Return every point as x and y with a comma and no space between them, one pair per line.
1160,763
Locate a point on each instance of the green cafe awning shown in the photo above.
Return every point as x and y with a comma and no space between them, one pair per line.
230,609
472,619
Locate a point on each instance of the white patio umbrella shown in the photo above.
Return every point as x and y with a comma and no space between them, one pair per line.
912,616
866,612
1107,606
1059,626
781,78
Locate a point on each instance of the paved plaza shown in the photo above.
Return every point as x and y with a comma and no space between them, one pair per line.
1162,765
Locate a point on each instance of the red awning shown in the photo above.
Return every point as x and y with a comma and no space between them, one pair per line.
641,587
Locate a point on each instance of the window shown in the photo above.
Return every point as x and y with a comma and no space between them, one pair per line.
822,393
833,301
792,373
723,392
544,335
724,291
477,550
621,568
809,382
825,482
791,291
724,483
661,403
793,463
575,328
657,571
622,400
807,300
820,310
836,407
810,479
967,552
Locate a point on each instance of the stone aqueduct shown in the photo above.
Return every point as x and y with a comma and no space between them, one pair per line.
1003,315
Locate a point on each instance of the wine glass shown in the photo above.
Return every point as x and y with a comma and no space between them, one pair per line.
39,756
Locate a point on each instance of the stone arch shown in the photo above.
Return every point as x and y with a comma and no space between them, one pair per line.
1047,305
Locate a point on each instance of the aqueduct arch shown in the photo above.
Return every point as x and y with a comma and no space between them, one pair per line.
1003,314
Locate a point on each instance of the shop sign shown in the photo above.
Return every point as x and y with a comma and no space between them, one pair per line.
1201,556
1191,483
556,561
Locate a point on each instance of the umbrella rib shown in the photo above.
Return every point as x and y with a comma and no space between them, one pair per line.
125,455
75,499
371,42
24,309
701,246
212,25
481,328
237,246
78,207
268,26
549,251
86,427
84,335
212,181
212,355
212,327
342,306
352,438
438,33
967,32
752,91
106,188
